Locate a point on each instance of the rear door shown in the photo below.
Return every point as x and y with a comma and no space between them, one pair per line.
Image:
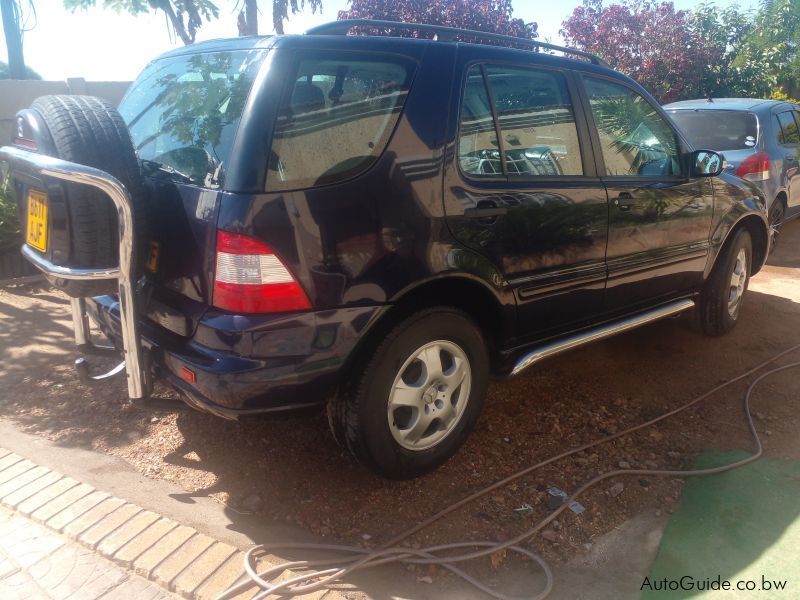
660,219
183,113
789,121
522,189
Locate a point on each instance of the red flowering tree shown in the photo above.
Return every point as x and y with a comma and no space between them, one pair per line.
494,16
651,42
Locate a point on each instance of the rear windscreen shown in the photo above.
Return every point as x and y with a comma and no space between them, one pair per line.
183,111
718,130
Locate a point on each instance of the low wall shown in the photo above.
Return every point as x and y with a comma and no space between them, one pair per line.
16,95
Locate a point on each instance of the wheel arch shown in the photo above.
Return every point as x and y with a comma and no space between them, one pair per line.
487,307
757,226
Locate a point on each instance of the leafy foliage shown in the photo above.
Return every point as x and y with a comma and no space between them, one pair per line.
493,16
281,8
9,219
723,33
29,73
651,42
773,46
185,16
712,51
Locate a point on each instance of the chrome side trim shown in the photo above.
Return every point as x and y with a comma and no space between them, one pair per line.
48,166
559,346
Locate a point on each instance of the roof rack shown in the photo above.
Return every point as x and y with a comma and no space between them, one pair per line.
447,34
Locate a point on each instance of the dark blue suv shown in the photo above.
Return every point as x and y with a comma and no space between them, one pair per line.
381,223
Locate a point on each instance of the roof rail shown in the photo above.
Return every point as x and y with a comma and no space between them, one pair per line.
446,34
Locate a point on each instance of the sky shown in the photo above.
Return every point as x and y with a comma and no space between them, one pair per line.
101,45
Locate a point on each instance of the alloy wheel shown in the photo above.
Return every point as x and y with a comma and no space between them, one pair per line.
738,282
429,395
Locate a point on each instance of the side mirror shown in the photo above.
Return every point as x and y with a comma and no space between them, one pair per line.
707,163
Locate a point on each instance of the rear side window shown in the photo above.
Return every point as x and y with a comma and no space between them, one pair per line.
535,120
183,111
789,128
718,130
336,119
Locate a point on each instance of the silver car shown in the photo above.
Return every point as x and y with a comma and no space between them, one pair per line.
760,140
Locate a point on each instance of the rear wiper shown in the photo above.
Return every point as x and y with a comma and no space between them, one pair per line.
152,167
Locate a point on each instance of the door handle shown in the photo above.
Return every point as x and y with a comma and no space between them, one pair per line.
486,212
624,201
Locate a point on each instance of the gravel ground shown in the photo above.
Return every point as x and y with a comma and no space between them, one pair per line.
288,469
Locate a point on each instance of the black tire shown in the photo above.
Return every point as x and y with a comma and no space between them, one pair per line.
777,212
358,416
713,312
90,131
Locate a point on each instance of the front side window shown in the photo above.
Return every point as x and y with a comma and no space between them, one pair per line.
336,120
536,123
183,111
635,140
789,128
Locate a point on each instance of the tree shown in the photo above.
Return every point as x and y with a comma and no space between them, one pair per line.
773,45
248,17
651,42
6,74
12,28
723,33
493,16
185,16
281,8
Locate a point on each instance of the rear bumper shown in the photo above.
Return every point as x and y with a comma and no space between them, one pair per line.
248,365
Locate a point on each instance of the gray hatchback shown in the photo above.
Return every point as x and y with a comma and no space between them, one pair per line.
760,140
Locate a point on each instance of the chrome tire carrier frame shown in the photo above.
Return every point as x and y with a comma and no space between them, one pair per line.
133,360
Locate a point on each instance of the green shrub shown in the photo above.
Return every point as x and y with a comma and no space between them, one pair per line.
10,236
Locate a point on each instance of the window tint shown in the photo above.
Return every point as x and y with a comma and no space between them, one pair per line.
536,122
717,129
636,141
789,128
336,121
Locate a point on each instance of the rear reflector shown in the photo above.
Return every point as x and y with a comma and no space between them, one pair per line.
755,167
188,375
250,278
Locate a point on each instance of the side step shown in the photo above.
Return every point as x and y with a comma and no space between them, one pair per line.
599,333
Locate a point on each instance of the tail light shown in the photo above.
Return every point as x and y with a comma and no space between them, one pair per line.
250,278
755,167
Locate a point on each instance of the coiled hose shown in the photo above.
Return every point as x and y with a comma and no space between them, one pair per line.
320,573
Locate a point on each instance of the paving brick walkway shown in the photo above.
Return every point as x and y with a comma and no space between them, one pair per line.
60,538
37,564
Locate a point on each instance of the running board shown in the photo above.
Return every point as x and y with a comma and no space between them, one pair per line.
599,333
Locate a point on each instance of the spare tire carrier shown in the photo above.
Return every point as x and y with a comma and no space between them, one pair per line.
124,273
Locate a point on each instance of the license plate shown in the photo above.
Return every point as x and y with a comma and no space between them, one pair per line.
37,220
152,257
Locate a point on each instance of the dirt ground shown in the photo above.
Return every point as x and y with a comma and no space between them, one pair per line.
288,469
